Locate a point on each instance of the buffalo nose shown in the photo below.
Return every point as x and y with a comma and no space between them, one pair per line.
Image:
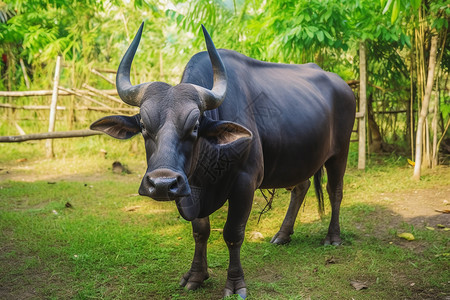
163,185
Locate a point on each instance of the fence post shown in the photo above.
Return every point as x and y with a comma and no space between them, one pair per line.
52,118
362,107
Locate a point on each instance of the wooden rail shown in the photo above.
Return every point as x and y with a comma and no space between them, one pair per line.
111,92
48,135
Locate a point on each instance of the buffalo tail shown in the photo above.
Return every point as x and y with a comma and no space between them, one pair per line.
319,192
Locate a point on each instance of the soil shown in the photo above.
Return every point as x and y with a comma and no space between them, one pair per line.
421,207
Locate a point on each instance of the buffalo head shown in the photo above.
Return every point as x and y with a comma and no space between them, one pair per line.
173,125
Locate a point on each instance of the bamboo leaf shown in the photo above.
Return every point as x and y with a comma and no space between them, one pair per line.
395,11
388,5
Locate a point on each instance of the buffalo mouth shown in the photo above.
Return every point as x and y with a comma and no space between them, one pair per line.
189,206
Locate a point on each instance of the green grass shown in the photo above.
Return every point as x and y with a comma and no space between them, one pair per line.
112,244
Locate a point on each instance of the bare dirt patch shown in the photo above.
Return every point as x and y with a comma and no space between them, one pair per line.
420,207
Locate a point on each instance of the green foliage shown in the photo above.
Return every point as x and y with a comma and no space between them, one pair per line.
91,34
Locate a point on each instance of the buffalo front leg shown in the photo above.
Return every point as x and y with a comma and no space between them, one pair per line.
234,231
283,236
199,268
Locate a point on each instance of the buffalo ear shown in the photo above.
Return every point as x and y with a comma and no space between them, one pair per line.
224,132
119,127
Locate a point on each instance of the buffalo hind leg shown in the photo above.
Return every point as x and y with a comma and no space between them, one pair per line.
283,236
240,204
199,268
335,170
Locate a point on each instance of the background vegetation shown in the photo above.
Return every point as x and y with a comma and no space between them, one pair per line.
95,34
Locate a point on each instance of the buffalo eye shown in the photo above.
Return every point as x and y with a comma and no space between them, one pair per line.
195,129
141,124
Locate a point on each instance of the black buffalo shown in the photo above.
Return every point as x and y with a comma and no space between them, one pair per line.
231,126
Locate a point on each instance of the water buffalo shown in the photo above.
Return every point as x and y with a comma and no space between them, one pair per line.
233,125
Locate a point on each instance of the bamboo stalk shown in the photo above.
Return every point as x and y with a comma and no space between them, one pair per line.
76,93
99,92
104,70
94,71
19,129
52,118
30,107
424,110
362,107
411,104
46,107
443,134
48,135
25,75
435,159
110,92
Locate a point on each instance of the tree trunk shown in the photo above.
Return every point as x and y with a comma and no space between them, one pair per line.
424,110
52,117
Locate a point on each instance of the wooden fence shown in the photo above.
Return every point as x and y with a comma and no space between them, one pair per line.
99,100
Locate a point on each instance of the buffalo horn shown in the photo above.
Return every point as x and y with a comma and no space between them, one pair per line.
130,94
212,99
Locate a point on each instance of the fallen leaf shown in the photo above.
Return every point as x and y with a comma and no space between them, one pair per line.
429,228
411,162
440,226
358,285
444,211
256,236
21,160
406,235
179,238
68,205
443,254
330,260
132,208
446,229
412,284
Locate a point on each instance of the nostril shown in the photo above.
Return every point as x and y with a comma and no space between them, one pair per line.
151,185
151,182
173,187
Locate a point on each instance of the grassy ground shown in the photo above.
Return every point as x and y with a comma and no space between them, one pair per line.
112,244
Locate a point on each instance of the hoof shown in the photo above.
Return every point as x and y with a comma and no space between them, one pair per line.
235,287
241,292
281,238
193,280
334,241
